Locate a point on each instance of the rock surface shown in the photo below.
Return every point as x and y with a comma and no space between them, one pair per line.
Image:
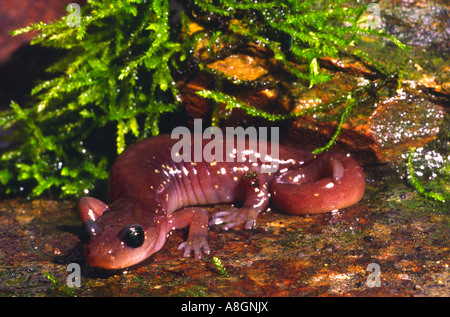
320,255
387,121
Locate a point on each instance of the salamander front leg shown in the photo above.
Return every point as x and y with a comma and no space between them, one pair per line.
256,200
91,208
197,220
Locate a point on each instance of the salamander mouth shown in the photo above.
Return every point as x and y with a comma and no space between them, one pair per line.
105,261
100,257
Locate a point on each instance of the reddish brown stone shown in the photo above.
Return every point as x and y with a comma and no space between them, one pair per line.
18,14
378,130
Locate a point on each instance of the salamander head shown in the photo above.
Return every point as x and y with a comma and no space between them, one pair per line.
122,236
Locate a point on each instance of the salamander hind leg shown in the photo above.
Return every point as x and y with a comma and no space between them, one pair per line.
256,200
197,220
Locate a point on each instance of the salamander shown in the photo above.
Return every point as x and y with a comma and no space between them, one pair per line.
150,194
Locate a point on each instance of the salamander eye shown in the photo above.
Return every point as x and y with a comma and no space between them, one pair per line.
132,235
88,230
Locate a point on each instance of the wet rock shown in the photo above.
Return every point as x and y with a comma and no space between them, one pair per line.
240,67
385,123
15,15
418,22
389,118
21,65
404,122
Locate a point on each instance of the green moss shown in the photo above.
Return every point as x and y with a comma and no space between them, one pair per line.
351,102
218,266
58,288
119,70
420,187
